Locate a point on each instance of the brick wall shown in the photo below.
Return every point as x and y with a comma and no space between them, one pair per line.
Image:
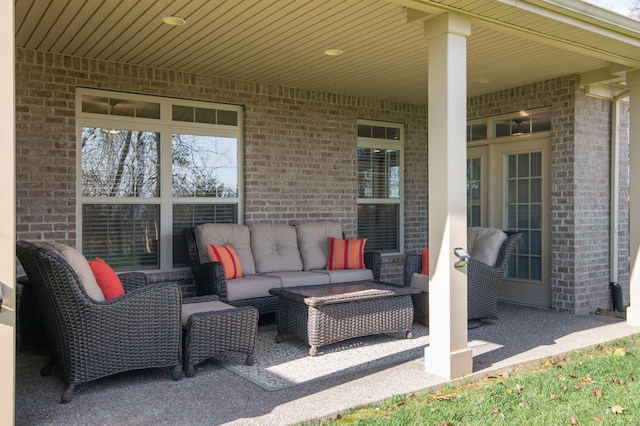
580,165
299,159
592,165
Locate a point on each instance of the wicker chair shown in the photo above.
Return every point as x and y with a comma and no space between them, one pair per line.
91,339
483,282
209,277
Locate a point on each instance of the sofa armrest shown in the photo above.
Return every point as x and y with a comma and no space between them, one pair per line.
192,248
209,279
373,261
412,265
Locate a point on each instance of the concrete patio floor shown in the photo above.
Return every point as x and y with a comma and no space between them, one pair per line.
520,336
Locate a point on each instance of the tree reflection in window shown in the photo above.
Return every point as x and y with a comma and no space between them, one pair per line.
204,166
119,163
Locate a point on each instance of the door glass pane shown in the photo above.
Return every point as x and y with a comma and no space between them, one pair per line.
523,191
523,213
474,192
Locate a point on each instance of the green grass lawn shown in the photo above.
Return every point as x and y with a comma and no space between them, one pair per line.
595,386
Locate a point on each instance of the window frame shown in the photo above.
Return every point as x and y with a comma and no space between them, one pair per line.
379,143
166,128
489,125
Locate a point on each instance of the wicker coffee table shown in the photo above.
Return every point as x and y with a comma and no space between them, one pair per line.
325,314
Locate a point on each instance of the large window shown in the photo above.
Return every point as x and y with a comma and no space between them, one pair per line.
380,185
149,168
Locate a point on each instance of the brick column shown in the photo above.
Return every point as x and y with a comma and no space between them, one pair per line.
447,355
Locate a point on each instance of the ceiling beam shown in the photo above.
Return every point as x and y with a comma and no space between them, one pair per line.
602,76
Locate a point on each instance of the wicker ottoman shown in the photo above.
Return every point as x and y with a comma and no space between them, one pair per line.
212,327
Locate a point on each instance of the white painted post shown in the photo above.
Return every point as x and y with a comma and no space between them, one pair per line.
633,311
447,354
7,216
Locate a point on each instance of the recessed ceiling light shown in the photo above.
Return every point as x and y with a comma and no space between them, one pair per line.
173,20
333,52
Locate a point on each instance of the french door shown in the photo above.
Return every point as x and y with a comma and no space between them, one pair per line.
508,188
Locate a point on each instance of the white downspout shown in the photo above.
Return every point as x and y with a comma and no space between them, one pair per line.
616,290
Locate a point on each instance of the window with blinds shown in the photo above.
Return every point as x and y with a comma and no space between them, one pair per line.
149,168
380,185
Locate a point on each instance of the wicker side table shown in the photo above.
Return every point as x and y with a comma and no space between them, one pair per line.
326,314
212,327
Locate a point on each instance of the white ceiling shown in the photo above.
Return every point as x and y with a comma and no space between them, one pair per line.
282,41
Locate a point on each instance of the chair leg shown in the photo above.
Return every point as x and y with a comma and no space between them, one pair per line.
191,371
176,374
47,369
250,359
67,396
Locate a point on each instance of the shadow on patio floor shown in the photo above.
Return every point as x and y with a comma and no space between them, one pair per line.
217,396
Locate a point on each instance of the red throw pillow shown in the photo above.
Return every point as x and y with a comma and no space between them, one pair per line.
107,279
346,254
425,262
228,257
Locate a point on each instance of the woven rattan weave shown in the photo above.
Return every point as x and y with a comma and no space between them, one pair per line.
230,329
321,315
483,282
90,339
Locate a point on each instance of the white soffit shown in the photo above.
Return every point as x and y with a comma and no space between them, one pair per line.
281,42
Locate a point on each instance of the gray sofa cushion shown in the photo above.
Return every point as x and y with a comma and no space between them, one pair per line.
189,309
296,278
220,234
80,266
347,275
251,286
275,247
420,281
484,244
313,241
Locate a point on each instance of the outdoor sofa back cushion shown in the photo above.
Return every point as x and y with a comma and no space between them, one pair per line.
79,264
220,234
275,247
484,244
313,241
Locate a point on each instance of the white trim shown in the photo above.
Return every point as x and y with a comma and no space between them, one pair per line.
166,128
395,144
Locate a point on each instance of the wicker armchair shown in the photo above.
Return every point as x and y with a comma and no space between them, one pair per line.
209,277
91,339
483,282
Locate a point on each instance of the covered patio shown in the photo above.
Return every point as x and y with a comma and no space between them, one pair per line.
521,336
428,67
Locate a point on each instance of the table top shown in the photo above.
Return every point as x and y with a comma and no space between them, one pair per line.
327,294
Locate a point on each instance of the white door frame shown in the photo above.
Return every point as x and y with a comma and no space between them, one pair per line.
493,189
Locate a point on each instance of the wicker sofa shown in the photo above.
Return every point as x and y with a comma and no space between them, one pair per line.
272,255
490,250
